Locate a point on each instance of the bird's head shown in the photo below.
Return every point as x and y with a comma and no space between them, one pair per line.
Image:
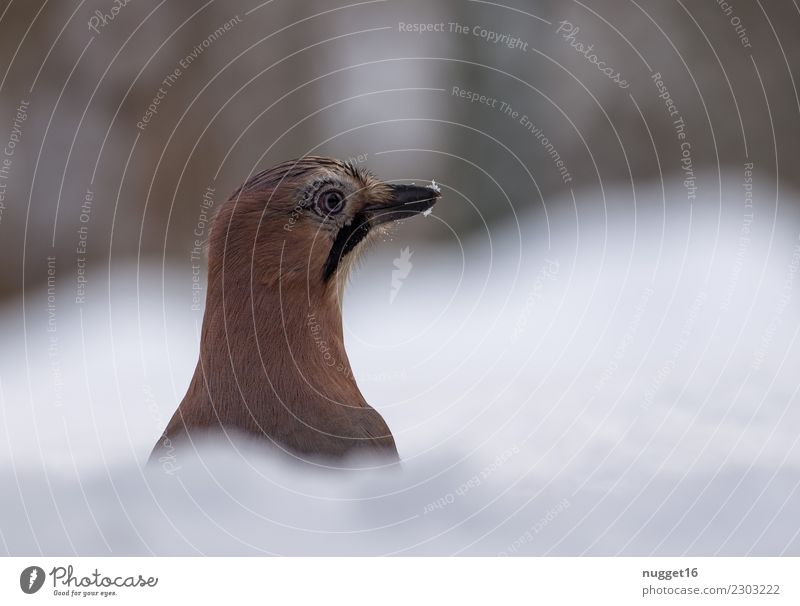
304,220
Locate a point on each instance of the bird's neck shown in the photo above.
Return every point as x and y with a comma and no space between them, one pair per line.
266,351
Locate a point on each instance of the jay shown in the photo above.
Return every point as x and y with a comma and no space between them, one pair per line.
272,360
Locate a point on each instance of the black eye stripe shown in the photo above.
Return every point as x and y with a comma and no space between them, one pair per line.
346,240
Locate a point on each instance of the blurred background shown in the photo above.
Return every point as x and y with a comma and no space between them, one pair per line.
598,321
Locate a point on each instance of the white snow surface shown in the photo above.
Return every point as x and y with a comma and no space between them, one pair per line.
595,382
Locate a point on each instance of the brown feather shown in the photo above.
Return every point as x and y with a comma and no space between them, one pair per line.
272,358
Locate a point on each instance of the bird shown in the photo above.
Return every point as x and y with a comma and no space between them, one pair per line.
272,361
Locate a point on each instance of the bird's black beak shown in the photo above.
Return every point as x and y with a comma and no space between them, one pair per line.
405,201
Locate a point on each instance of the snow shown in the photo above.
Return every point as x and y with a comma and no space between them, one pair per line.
595,383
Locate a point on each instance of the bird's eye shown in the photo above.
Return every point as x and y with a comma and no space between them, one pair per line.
330,202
